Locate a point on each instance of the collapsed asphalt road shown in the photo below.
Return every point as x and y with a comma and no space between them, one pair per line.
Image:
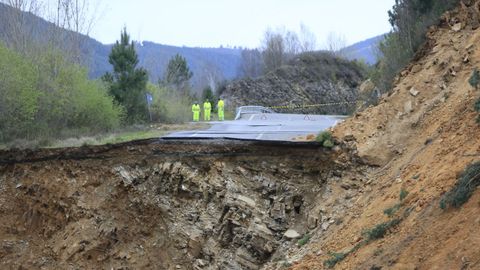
267,127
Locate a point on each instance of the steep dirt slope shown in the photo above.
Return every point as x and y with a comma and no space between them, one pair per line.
421,136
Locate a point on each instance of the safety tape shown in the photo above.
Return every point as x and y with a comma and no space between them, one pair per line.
301,106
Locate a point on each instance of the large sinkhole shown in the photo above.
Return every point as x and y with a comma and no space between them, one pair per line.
161,205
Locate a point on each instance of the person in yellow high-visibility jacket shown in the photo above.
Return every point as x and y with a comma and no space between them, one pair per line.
207,109
221,110
196,111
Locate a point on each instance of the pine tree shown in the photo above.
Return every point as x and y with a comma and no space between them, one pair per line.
128,83
178,74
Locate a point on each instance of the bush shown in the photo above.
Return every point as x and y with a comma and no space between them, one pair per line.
477,105
403,194
47,97
325,138
474,78
169,106
392,210
304,240
380,230
466,184
336,258
70,101
18,95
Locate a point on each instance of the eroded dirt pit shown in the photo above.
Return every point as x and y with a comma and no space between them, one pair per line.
161,204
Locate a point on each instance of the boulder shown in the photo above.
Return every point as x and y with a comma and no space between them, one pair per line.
457,27
291,234
414,92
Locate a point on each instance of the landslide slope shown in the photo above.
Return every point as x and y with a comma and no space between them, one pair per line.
420,143
310,78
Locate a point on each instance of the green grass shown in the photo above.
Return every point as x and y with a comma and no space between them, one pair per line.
119,136
128,135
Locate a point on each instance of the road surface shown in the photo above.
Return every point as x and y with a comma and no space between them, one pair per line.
265,127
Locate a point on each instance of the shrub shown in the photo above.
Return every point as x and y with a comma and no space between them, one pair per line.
70,101
466,184
304,240
380,230
328,144
336,258
169,106
392,210
18,95
325,138
46,97
477,105
474,78
403,194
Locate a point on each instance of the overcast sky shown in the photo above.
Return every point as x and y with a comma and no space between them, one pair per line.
211,23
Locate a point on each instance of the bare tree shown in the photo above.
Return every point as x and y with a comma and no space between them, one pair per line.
211,76
25,35
308,40
292,44
251,64
336,43
17,29
281,45
77,16
273,48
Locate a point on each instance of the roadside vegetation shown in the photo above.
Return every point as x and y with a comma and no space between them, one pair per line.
48,97
325,138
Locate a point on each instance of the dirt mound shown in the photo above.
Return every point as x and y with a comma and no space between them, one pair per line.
310,78
420,137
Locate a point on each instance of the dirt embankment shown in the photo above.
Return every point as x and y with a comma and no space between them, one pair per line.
421,136
162,204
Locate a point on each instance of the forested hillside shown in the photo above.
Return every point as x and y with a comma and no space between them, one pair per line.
220,63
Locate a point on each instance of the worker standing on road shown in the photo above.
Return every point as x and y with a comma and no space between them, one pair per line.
207,109
221,109
196,111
